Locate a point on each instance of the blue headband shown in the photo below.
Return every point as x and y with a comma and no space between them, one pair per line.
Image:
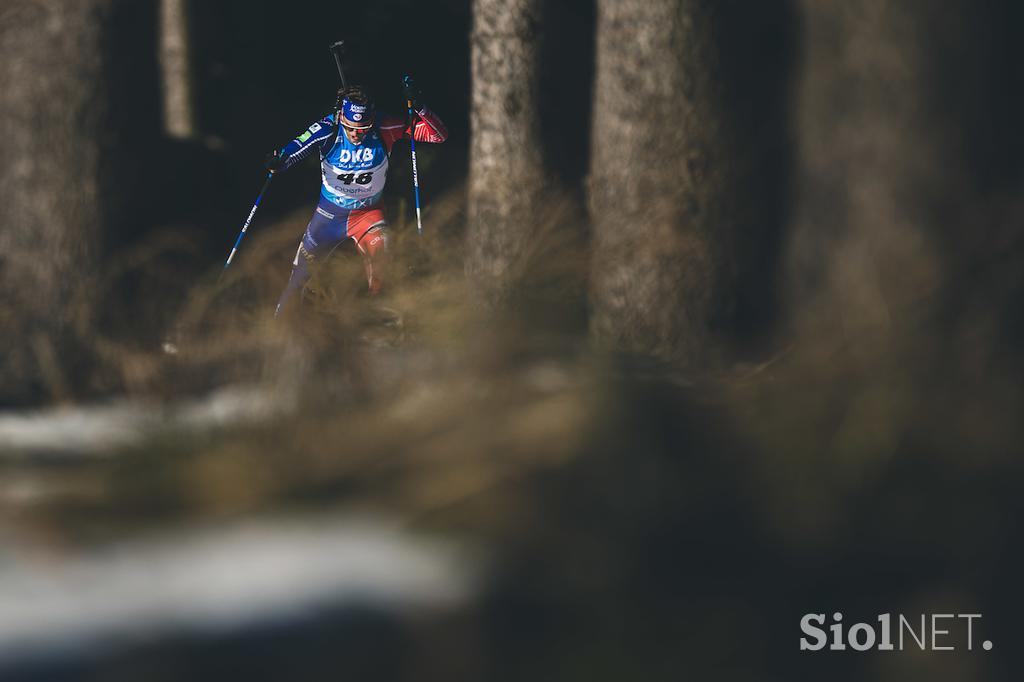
357,115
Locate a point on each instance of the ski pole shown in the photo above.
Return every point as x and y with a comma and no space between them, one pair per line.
407,82
248,220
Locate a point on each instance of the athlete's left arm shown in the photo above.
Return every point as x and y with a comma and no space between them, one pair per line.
428,128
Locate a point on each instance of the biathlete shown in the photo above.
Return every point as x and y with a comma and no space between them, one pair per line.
354,168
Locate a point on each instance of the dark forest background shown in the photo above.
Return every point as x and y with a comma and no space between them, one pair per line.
716,321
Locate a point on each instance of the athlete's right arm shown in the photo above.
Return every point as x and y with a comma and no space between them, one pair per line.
320,133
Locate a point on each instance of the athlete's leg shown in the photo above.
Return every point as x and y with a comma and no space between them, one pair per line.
326,229
374,250
369,230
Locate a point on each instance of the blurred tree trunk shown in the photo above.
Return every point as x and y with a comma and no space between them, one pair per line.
881,111
177,69
660,172
54,124
506,165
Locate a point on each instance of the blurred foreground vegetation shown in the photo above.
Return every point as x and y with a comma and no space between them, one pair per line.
642,522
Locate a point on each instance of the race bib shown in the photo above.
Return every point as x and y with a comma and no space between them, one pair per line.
353,174
356,183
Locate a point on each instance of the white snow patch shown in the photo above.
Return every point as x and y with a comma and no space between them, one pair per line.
221,579
99,430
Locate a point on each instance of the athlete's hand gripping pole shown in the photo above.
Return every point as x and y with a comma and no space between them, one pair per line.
410,99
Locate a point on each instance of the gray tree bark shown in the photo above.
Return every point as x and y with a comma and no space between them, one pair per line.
879,165
659,180
53,122
177,69
506,165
